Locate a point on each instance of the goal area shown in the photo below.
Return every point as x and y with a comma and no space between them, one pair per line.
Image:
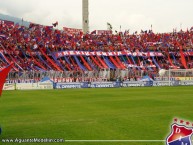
178,76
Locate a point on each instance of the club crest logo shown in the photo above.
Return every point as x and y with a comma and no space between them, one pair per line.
181,133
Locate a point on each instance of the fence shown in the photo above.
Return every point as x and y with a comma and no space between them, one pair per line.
75,76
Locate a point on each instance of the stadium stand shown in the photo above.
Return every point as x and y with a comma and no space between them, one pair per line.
42,48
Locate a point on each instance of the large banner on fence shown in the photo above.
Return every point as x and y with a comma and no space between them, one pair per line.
105,84
34,86
101,53
113,53
150,83
186,83
134,84
161,83
70,85
87,85
50,85
45,83
8,86
26,86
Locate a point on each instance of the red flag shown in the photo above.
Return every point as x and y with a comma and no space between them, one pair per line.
55,24
3,75
93,32
183,60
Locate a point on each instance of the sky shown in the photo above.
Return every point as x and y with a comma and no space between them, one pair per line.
133,15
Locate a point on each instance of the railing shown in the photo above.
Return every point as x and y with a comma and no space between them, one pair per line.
75,76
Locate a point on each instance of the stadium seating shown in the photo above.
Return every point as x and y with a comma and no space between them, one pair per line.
42,48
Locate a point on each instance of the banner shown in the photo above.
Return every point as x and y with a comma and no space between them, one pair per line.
8,86
49,85
101,53
7,23
105,84
87,85
188,53
34,86
183,78
160,83
72,30
134,84
45,83
149,83
186,83
26,86
104,32
71,85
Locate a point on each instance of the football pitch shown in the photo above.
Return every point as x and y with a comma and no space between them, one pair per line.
144,113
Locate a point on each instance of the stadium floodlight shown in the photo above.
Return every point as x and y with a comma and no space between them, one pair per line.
85,16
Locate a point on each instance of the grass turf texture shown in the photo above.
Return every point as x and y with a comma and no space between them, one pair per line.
93,114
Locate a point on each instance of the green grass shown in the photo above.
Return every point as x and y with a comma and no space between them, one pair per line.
94,114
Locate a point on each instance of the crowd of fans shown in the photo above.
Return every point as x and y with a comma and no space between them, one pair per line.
31,48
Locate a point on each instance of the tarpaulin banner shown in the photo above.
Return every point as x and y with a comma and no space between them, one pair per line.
104,32
72,30
7,23
105,84
71,85
133,84
101,53
186,83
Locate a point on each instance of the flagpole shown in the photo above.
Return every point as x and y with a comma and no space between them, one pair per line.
22,22
180,26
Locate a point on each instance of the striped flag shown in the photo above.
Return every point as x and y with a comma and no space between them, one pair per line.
183,59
